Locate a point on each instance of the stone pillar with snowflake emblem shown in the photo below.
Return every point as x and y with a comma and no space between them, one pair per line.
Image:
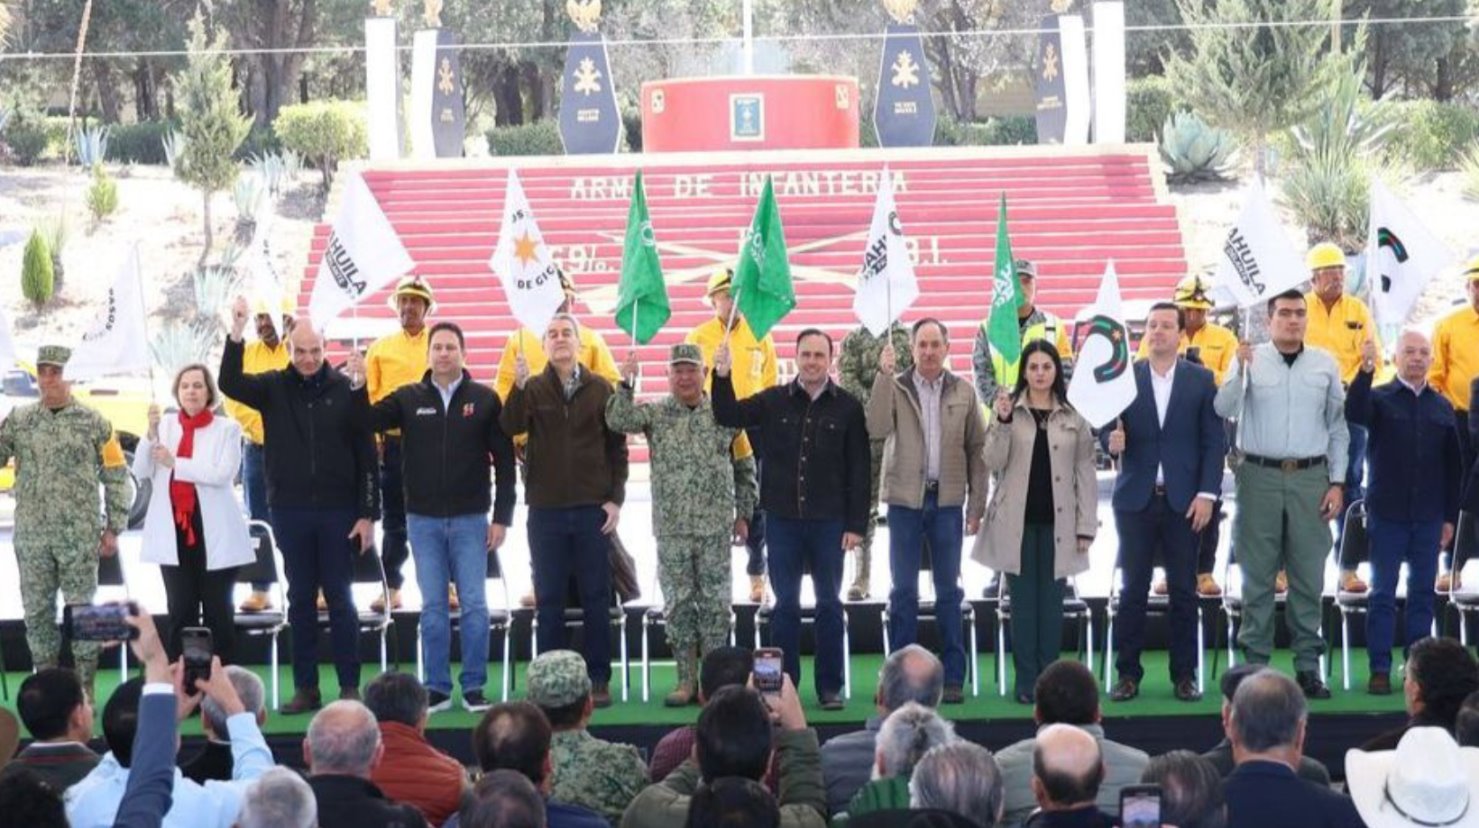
590,123
438,113
904,106
1061,68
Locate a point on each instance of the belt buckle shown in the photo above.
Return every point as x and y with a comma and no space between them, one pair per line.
1288,466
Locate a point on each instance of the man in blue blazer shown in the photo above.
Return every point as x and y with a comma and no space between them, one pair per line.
1170,444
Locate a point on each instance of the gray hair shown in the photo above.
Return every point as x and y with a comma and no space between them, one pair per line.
961,777
907,735
1191,790
562,317
396,697
248,688
1267,710
911,674
278,799
343,739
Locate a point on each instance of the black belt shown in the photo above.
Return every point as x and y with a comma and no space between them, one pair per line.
1284,465
931,486
1159,490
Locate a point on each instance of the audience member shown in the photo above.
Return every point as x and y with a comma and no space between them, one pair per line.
1440,674
1221,755
733,802
341,750
279,799
59,718
910,674
1191,790
152,780
503,799
960,778
1466,724
905,737
1427,781
516,736
10,735
1066,693
29,801
1067,773
214,760
1267,727
411,771
721,667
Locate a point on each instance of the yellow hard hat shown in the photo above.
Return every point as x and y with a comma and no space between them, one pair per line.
1191,293
1324,254
719,281
260,306
1471,269
413,285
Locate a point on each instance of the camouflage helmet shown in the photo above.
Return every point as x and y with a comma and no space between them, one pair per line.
558,678
53,355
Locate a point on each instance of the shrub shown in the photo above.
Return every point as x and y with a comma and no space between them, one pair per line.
631,125
36,272
260,141
1194,151
55,232
25,134
1431,135
141,143
102,196
1150,102
996,131
324,133
538,138
1469,166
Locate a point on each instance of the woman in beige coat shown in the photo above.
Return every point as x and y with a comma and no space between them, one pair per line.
1044,507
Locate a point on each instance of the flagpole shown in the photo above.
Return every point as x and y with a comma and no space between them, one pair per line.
144,316
733,310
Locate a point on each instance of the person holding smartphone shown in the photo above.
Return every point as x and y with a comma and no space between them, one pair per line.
197,534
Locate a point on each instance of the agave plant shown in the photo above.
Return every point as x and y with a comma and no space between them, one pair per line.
1194,151
178,344
270,169
174,147
247,194
92,145
1469,168
215,287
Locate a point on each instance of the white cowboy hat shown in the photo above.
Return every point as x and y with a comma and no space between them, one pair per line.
1428,781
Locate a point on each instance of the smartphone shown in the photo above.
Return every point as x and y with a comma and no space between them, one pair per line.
768,675
198,647
100,622
1140,806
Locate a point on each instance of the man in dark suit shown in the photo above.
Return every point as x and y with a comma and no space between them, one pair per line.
1267,729
1221,754
341,749
1171,445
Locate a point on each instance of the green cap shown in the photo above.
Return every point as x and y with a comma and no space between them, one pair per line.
558,678
686,352
53,355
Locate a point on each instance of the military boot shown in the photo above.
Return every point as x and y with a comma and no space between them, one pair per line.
862,581
684,693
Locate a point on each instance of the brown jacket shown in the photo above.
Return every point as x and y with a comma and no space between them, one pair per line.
894,415
1075,489
415,773
572,458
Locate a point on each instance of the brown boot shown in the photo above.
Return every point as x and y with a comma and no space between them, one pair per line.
1447,583
1380,684
1207,586
1351,582
378,605
687,664
862,582
527,600
305,700
452,603
681,696
1281,583
1162,588
757,588
323,605
256,602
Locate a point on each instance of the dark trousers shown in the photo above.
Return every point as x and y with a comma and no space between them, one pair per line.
316,554
1355,476
1392,543
254,487
565,542
1037,607
1207,540
908,531
393,548
1156,526
1467,525
796,544
755,540
194,593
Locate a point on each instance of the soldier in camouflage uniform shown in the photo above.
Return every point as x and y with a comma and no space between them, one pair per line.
703,493
856,369
602,776
62,451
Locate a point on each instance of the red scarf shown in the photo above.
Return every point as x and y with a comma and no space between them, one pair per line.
182,495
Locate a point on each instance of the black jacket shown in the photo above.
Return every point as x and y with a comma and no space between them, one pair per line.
320,454
1269,795
1310,769
351,802
815,453
445,454
214,761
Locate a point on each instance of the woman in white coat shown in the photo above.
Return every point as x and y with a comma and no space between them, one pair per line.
194,528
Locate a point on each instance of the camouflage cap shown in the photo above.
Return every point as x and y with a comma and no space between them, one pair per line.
558,678
53,355
686,352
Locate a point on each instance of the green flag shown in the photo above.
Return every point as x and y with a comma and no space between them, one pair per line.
762,281
641,297
1006,295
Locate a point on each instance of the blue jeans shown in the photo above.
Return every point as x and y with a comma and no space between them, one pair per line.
254,487
908,531
794,542
452,549
1392,542
565,542
315,550
1355,476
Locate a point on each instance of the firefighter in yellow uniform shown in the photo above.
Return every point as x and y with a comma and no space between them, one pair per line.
267,353
753,369
1341,324
394,360
1455,367
1214,347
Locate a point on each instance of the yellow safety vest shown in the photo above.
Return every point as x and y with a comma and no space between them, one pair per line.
1051,329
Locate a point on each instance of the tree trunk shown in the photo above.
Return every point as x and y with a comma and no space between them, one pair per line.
1443,86
205,251
531,78
506,93
102,76
1378,67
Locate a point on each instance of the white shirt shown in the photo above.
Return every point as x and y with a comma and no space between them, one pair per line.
1160,387
447,392
929,407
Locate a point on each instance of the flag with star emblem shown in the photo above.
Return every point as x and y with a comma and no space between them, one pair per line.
1103,385
363,254
641,297
763,290
1002,330
523,263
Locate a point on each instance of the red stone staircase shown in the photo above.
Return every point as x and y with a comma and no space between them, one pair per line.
1070,210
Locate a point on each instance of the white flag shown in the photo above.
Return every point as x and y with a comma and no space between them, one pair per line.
264,283
1257,259
117,342
7,345
363,255
886,283
523,263
1401,256
1103,383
